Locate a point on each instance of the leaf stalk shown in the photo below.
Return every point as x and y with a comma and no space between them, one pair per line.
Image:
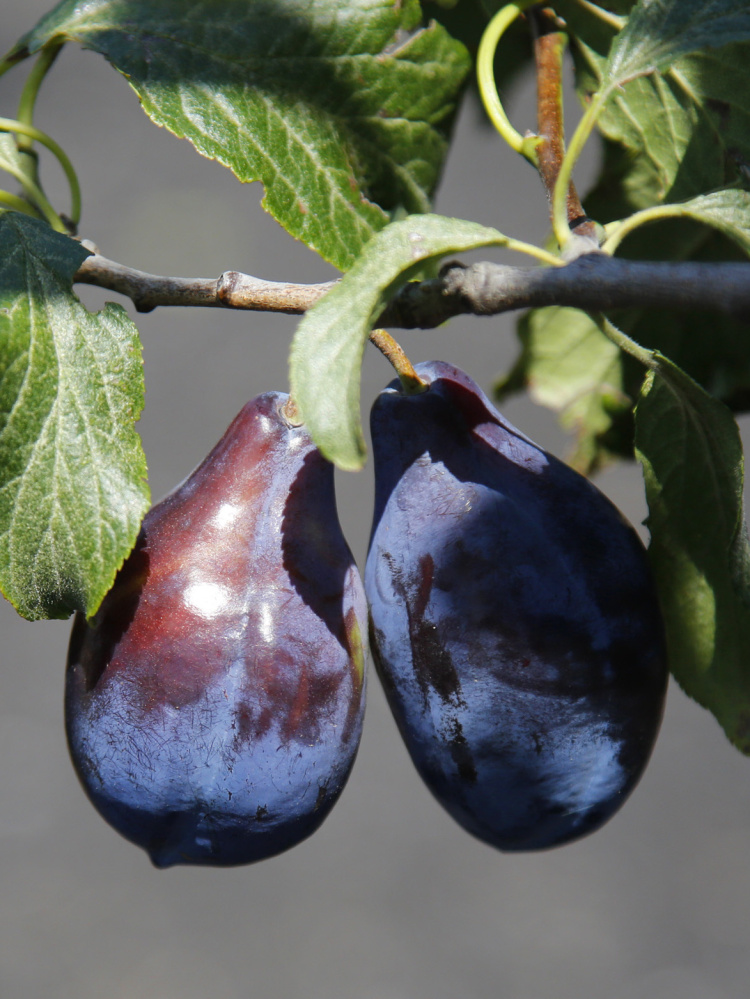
525,145
18,204
30,131
617,231
31,89
624,342
38,199
613,20
562,184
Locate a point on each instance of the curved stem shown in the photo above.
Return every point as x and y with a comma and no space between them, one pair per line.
580,137
534,251
11,125
12,60
617,231
38,198
17,204
411,383
613,20
623,341
31,88
525,145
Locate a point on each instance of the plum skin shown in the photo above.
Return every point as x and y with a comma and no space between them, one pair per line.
214,704
514,622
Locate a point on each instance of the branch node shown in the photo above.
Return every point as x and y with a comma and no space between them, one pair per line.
226,287
580,244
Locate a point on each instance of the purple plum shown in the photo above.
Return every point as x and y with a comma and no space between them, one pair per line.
214,703
514,621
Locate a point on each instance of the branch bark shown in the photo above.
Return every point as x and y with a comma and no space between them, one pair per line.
231,290
549,47
593,282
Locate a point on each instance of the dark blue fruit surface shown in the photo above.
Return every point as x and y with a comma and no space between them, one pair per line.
514,622
214,704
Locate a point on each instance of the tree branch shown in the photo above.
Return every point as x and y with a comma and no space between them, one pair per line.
231,289
593,282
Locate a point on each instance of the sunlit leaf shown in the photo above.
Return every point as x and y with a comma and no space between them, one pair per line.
341,108
660,31
686,130
72,471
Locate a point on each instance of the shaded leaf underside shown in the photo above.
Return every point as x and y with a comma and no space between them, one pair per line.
568,365
691,453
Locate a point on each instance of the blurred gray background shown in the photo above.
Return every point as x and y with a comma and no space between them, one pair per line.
391,899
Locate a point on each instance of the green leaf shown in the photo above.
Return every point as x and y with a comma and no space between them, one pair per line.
341,108
329,343
660,31
728,211
690,128
568,365
691,453
684,132
72,471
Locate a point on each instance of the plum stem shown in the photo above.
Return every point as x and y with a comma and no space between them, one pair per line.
411,383
291,413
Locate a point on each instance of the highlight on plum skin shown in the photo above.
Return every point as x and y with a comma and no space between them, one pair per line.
514,622
214,704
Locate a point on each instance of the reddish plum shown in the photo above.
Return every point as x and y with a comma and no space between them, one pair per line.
214,703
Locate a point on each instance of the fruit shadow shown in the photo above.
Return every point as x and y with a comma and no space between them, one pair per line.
93,646
315,554
565,555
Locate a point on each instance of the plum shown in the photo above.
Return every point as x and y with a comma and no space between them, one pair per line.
214,703
514,622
